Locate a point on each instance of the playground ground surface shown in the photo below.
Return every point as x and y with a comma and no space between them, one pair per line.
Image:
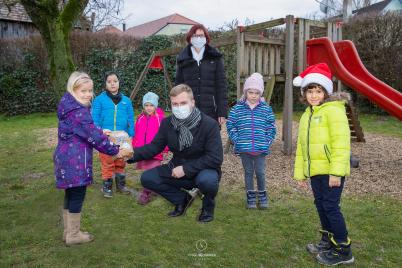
130,235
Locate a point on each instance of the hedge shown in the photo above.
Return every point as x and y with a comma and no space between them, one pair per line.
24,82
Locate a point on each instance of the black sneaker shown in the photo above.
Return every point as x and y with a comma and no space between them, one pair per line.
180,209
107,188
338,254
323,245
206,215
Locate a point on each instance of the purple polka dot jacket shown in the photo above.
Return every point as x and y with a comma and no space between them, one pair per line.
77,136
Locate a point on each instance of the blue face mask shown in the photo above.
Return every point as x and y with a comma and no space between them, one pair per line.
198,42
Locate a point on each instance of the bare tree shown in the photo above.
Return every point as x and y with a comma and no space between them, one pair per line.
107,12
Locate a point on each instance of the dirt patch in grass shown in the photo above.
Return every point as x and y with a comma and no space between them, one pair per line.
47,137
380,170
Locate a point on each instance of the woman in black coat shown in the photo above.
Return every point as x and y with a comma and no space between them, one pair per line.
201,67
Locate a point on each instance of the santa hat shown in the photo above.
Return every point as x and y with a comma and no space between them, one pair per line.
255,81
318,74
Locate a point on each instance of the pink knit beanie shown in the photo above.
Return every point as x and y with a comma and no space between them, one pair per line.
254,81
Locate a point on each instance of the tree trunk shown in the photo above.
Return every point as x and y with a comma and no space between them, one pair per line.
59,57
55,21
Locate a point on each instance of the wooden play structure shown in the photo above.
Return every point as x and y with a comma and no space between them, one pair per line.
277,50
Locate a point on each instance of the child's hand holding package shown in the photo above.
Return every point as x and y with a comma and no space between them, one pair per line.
121,138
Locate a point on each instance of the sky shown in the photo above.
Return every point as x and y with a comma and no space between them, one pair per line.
216,13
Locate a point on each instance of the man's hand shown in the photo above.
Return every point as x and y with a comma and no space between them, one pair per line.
334,181
124,153
302,184
221,120
178,172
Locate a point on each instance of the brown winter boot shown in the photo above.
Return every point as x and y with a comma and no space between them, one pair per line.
65,223
74,235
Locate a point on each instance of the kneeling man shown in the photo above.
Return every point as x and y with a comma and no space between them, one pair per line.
195,141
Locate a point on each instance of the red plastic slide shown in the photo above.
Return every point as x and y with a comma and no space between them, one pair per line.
345,64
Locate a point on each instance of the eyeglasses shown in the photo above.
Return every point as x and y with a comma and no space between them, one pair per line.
198,35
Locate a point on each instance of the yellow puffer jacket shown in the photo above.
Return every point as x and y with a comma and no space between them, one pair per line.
323,145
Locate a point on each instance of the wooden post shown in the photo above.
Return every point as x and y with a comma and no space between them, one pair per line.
166,74
288,105
301,46
306,37
142,76
269,88
271,60
329,31
260,48
338,28
266,60
252,58
240,59
277,60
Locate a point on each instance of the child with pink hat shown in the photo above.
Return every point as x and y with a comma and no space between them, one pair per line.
251,127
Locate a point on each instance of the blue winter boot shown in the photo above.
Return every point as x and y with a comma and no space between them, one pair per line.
262,200
251,199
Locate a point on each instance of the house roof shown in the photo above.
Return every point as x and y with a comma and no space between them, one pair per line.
110,29
373,9
152,27
14,12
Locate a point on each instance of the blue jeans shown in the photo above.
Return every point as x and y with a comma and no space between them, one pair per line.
327,200
207,181
74,198
254,164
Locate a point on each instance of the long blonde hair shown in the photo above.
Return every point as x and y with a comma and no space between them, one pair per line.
75,80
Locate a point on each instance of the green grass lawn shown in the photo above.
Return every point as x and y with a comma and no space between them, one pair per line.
130,235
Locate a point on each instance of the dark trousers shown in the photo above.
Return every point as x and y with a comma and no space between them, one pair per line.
74,198
207,181
254,164
327,201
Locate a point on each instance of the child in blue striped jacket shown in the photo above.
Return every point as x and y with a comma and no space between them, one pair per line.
251,127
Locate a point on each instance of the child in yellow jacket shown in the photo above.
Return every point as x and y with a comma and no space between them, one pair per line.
323,156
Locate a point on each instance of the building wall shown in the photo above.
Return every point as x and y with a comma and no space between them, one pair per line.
16,29
172,29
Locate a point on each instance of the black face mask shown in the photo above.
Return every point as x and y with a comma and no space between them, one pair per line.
115,98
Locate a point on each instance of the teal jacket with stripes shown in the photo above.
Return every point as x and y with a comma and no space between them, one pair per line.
251,130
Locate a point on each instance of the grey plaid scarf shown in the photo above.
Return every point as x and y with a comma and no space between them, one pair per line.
184,126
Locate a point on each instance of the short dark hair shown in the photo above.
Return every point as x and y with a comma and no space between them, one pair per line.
192,31
303,98
109,73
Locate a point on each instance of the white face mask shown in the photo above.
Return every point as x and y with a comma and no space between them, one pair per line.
181,112
198,42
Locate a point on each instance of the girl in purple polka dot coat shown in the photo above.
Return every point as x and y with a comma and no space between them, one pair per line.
77,136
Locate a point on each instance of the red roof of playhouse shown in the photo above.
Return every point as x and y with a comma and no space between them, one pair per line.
152,27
